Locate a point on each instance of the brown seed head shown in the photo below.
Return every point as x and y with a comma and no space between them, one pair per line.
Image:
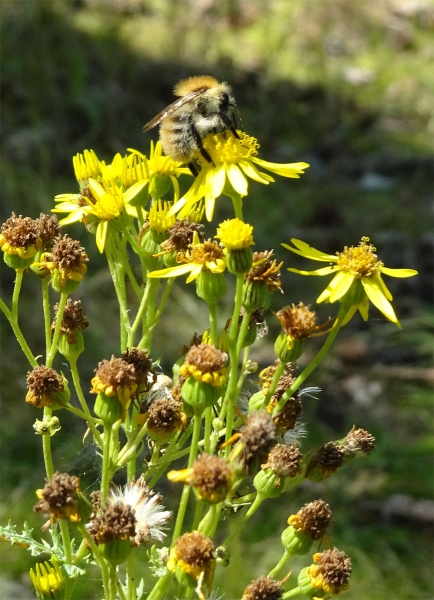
267,270
313,519
74,318
59,497
67,254
206,358
359,441
165,417
328,458
212,477
297,321
21,232
49,229
113,521
285,460
334,567
263,588
258,437
142,362
195,549
43,383
181,235
115,373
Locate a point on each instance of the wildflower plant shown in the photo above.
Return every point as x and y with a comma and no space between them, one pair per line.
237,454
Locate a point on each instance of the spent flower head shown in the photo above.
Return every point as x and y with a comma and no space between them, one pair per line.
61,498
192,559
358,278
329,575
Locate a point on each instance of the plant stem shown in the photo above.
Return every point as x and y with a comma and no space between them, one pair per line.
105,471
243,520
315,362
16,295
98,558
291,593
56,334
82,400
212,309
286,556
18,334
46,447
47,319
197,420
66,541
237,203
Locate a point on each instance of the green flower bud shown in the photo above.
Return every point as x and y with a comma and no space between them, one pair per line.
287,349
210,286
108,408
256,294
296,542
239,261
71,351
16,262
199,395
115,551
267,484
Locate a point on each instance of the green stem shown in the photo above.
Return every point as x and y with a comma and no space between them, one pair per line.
131,446
46,447
286,556
160,587
98,558
66,541
294,592
212,308
131,577
209,523
56,334
277,373
164,297
18,334
105,471
197,420
243,520
230,398
47,318
123,256
140,313
243,330
82,400
115,584
119,286
318,358
237,202
197,514
16,294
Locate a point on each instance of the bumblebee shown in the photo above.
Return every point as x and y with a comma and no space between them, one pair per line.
204,106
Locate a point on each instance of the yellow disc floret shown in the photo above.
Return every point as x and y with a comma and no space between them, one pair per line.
234,234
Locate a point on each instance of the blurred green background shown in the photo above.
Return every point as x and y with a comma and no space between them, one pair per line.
345,86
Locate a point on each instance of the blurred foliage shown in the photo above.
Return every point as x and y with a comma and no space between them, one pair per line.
345,86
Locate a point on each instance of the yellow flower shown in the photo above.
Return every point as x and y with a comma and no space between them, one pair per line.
234,161
47,580
160,166
87,165
357,280
103,200
199,257
159,220
234,234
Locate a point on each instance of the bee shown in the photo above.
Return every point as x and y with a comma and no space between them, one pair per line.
204,106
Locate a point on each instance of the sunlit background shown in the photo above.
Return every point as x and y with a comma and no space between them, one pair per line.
345,86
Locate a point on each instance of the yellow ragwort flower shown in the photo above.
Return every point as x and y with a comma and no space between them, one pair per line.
234,161
159,166
47,580
199,257
357,269
234,234
103,200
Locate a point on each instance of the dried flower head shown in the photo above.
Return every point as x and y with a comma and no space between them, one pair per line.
266,270
165,418
21,236
331,571
313,519
193,556
49,230
59,498
264,588
257,438
146,376
298,322
359,441
326,460
285,461
205,363
181,235
46,387
211,477
74,319
66,261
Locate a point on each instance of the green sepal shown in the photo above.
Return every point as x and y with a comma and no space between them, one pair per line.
296,542
116,551
239,261
199,395
210,286
108,408
288,350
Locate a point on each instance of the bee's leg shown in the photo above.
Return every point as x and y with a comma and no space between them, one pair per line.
224,116
199,144
193,169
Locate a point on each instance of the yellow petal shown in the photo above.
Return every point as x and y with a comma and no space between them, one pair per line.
320,272
209,208
283,169
251,171
101,234
307,251
349,315
378,299
172,271
237,179
194,273
134,190
398,272
96,188
382,286
216,180
340,285
364,308
72,218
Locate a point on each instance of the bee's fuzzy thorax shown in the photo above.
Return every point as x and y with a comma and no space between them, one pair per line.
187,86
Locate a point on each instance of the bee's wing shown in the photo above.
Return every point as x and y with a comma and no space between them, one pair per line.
169,110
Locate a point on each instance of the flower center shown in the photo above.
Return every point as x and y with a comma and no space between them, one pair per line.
361,260
225,148
206,252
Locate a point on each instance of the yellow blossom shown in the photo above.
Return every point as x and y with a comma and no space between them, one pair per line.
234,234
47,580
357,270
199,257
234,162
